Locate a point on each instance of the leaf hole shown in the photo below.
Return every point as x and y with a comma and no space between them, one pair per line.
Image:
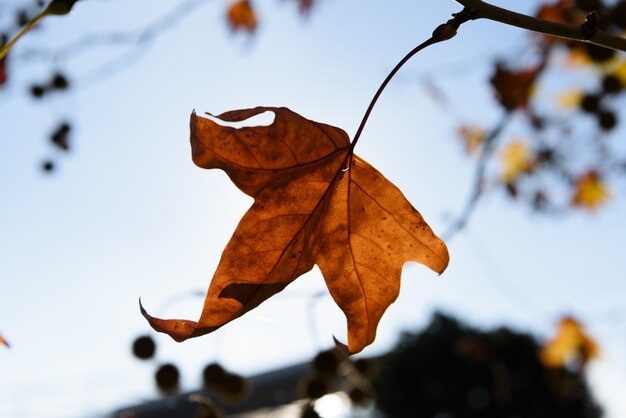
262,119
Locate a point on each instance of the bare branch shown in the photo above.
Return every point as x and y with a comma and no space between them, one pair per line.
133,37
479,177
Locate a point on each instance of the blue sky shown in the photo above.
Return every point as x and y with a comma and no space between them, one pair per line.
127,214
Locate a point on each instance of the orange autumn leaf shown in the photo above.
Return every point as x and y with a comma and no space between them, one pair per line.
516,160
4,342
590,192
513,88
559,12
241,16
315,203
571,344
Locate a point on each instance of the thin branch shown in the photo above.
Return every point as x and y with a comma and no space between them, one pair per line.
587,32
134,37
489,146
54,8
142,37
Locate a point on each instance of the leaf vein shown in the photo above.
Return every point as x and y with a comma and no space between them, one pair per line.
399,223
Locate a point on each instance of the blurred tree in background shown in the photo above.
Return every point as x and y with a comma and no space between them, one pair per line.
452,370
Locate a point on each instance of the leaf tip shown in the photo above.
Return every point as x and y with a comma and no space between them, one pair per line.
144,313
343,348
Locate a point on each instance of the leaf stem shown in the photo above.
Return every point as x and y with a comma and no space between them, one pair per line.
4,50
441,33
393,72
54,8
587,32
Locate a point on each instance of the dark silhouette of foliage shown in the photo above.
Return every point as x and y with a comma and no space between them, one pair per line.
454,371
144,347
167,378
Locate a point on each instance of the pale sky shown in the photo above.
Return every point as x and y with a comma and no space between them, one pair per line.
127,213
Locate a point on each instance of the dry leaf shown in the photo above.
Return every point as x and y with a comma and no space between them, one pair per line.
559,12
241,16
571,344
473,136
513,88
4,342
516,159
314,203
590,192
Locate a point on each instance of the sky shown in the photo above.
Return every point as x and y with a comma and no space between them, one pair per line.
126,214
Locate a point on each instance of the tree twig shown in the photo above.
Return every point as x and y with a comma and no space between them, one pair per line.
4,49
587,32
54,8
134,37
489,145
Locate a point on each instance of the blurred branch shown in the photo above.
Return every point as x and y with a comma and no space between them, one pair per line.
54,8
4,49
479,177
587,32
133,37
504,283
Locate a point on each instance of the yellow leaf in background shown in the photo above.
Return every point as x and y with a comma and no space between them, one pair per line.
473,136
516,160
590,192
4,342
241,16
620,71
577,57
569,99
570,347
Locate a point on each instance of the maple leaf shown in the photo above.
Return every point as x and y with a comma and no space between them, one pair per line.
570,344
513,89
315,202
241,16
590,192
